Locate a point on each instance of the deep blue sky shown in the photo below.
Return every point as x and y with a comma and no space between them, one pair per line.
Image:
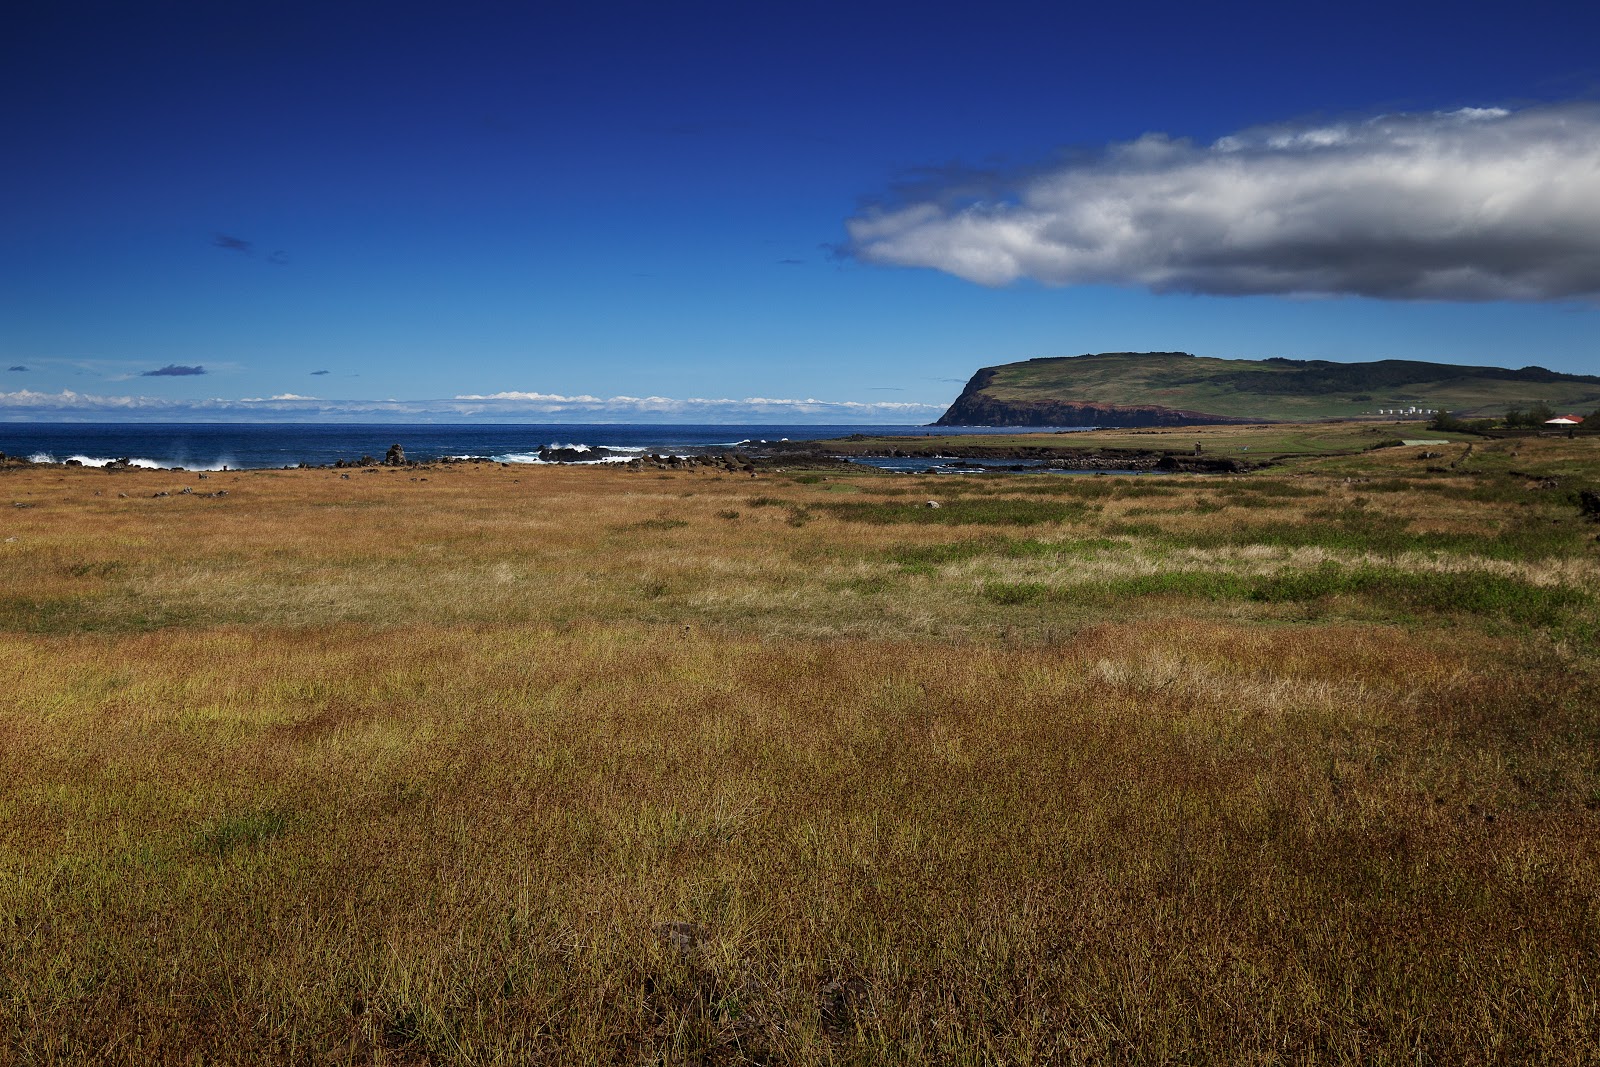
429,201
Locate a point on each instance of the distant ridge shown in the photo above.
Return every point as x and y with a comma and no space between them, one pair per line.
1176,388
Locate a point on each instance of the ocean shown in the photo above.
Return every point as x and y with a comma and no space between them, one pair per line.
241,446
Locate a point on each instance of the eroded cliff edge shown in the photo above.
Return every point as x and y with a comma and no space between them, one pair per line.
976,407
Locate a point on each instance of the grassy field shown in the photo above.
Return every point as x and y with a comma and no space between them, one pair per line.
490,765
1266,442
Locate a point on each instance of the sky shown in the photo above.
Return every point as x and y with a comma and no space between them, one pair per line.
770,212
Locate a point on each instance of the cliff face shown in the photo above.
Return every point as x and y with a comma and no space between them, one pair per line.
975,407
1170,388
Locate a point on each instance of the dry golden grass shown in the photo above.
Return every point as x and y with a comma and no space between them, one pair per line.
505,767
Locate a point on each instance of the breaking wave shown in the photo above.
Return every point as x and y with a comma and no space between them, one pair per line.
132,461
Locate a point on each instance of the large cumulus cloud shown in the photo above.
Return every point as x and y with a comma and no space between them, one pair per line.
1475,204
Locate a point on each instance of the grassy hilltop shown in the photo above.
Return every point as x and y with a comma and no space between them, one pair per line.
1162,388
484,765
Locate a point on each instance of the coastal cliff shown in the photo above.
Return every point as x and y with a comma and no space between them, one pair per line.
1139,389
977,407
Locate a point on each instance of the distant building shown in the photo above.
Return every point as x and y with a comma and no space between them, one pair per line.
1564,420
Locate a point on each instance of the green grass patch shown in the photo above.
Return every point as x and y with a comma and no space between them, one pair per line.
99,613
925,558
1401,485
1255,491
1094,487
996,511
1016,592
1493,597
233,832
1209,585
1365,530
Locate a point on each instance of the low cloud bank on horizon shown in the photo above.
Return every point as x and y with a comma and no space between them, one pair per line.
552,407
1469,205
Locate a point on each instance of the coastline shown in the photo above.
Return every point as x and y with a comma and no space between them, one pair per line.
1185,449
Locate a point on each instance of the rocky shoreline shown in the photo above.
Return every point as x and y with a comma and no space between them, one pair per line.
769,456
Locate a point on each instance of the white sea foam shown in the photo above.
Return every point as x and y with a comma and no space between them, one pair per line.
133,461
533,459
578,446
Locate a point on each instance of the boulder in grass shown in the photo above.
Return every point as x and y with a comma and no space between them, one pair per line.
1589,504
395,457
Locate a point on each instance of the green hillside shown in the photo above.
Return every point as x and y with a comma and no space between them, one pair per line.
1164,387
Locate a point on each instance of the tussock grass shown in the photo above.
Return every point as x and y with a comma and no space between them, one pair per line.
501,769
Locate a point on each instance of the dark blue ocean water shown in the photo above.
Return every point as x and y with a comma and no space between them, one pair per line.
211,446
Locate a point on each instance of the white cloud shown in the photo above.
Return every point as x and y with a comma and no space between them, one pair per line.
511,404
693,409
543,398
1475,204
